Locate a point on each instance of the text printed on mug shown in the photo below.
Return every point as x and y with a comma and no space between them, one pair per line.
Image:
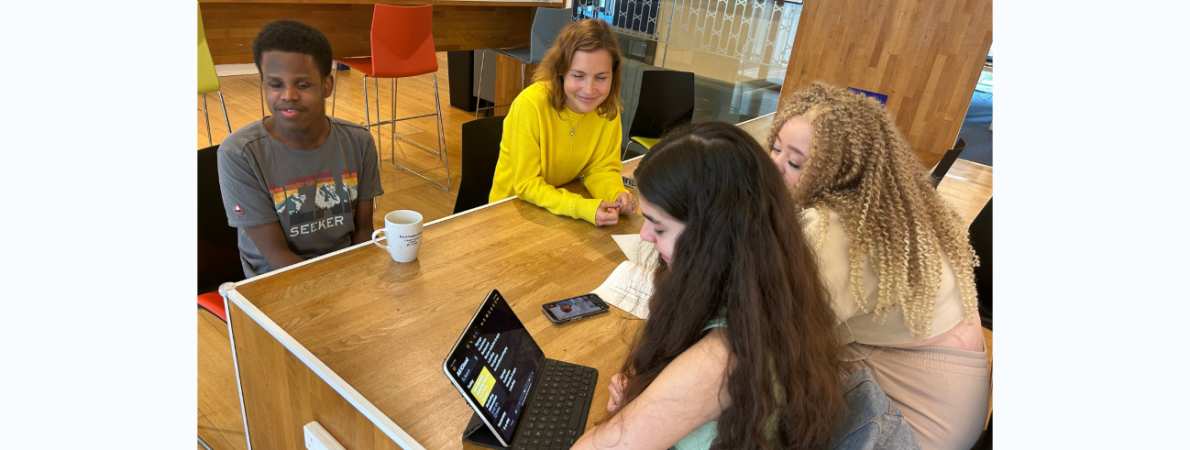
410,239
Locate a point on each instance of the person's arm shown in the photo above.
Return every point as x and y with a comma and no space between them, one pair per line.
523,137
250,206
272,245
690,392
626,202
363,222
603,179
369,188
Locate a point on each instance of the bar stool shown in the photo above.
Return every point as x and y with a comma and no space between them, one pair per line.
547,23
208,81
402,46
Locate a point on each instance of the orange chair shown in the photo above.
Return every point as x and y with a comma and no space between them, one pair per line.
213,302
402,46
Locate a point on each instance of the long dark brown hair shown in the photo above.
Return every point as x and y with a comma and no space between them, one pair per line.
741,257
586,35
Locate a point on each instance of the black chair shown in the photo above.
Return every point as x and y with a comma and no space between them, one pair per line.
481,151
218,249
947,160
666,100
981,241
985,439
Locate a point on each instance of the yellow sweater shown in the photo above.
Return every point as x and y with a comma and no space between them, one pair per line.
537,154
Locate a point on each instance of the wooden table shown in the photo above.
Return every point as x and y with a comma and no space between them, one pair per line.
356,341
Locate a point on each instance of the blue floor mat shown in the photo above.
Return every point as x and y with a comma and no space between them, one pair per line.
975,130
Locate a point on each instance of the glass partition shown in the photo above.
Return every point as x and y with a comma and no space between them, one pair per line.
737,49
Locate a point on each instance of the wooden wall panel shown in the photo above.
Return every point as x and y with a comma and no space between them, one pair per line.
926,55
230,27
281,395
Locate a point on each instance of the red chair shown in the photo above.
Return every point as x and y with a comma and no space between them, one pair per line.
213,302
402,46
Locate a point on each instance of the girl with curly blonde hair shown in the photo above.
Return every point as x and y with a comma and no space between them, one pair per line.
894,257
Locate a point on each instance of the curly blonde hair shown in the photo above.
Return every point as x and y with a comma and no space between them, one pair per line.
860,166
586,35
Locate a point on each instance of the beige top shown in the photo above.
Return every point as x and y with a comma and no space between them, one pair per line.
856,325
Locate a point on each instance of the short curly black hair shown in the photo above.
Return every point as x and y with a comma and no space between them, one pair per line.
294,37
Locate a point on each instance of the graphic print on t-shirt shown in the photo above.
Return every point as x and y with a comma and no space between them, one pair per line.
330,206
326,196
350,188
290,198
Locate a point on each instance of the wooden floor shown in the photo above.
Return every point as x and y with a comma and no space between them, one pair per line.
968,186
219,421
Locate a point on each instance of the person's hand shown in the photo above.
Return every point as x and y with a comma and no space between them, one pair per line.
616,389
626,203
607,214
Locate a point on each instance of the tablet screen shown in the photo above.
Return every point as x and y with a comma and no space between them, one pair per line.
495,363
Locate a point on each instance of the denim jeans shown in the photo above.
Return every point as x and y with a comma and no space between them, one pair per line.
872,421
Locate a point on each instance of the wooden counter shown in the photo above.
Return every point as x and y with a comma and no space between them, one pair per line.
231,25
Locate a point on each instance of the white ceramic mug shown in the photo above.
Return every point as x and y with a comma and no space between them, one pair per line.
402,230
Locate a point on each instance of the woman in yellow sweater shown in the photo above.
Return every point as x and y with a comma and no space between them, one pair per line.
567,125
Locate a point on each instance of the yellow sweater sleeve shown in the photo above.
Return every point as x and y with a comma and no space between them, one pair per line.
602,178
536,149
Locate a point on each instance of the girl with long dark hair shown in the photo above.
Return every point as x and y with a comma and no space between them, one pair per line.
740,349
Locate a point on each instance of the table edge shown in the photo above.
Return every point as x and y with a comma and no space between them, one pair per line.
753,120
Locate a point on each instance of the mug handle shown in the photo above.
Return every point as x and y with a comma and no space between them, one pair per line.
375,241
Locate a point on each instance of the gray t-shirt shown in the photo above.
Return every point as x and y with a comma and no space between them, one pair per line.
313,193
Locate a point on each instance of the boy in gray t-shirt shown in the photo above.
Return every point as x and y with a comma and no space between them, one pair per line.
297,184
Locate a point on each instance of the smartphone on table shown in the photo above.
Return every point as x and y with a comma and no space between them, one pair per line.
573,309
